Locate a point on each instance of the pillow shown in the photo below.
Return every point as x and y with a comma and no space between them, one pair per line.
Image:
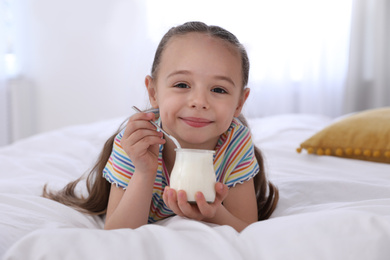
364,136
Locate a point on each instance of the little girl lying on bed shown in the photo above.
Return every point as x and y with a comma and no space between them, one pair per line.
198,84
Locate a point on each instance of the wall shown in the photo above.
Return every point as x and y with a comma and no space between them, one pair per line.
81,59
4,117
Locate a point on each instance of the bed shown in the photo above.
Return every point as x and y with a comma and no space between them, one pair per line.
330,207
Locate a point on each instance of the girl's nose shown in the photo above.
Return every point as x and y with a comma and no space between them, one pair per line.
198,99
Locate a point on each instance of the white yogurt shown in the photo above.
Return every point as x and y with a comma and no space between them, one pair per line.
193,171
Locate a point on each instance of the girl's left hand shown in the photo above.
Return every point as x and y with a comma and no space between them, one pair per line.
177,202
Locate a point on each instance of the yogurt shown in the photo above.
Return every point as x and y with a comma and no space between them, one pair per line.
193,171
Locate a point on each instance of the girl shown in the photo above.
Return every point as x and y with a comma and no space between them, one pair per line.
197,87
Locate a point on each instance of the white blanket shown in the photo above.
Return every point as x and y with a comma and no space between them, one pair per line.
329,208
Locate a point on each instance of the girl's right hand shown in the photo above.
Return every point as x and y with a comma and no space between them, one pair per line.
141,142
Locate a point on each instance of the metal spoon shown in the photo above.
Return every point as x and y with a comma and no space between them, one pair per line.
162,130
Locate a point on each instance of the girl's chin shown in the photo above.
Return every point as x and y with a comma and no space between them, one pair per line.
197,143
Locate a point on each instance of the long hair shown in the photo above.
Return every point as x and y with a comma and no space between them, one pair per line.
267,194
99,189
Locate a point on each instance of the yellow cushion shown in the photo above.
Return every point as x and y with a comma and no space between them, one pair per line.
364,136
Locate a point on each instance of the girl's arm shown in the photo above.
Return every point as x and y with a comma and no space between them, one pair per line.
130,208
239,208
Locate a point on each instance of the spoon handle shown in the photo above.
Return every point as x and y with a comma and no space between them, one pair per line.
159,128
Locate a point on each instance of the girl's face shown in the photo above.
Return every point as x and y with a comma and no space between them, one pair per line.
198,89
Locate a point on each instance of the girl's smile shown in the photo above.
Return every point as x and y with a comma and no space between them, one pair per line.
196,121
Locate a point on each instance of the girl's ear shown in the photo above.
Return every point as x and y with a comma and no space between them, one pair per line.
152,92
241,102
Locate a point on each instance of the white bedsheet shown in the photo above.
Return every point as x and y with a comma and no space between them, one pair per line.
330,208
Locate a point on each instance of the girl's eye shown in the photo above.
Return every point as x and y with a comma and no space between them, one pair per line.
181,85
219,90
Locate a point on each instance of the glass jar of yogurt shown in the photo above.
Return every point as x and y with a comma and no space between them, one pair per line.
193,171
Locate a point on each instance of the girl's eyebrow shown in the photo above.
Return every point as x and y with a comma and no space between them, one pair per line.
225,79
179,72
187,72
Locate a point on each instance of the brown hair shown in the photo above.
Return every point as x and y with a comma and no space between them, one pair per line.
99,189
212,30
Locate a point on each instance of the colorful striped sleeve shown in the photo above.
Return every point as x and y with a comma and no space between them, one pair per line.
235,160
119,168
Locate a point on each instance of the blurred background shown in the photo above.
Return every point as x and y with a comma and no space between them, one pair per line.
67,62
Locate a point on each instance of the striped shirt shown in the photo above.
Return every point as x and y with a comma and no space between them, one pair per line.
234,162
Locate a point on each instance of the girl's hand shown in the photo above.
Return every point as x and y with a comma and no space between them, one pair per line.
141,142
177,202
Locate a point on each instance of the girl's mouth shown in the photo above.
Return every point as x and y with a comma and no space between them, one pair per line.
196,122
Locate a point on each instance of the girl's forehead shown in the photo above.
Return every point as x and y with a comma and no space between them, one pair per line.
201,51
188,40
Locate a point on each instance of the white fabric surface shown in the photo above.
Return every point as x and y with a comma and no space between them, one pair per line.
330,208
